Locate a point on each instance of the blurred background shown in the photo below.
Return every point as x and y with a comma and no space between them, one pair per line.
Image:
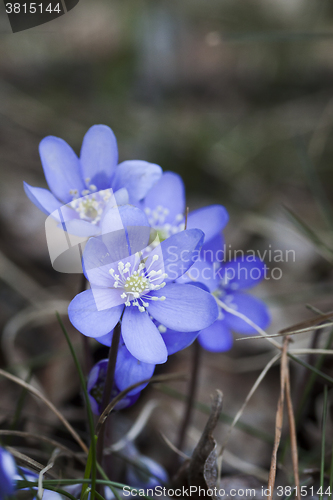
235,96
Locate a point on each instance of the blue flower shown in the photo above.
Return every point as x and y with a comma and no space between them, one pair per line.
165,207
28,475
86,184
7,474
144,472
227,284
128,371
138,289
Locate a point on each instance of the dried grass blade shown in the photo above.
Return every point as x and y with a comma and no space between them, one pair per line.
48,403
122,394
293,438
279,419
247,399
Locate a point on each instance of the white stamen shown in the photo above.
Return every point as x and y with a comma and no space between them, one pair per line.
137,283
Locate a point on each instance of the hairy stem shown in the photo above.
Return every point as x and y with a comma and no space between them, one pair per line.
113,352
88,362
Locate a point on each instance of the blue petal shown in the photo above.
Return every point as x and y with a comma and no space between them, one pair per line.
97,263
121,197
168,192
186,308
216,338
242,273
7,473
156,475
83,314
42,198
99,156
61,168
142,338
178,253
213,250
135,225
105,339
138,177
253,308
130,370
106,298
201,272
77,227
211,220
176,341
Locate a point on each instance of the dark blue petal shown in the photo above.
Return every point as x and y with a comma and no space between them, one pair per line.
130,370
7,473
176,341
178,253
201,272
216,338
90,321
156,475
168,192
99,156
242,273
253,308
138,177
96,385
213,250
211,220
42,198
142,338
186,308
61,168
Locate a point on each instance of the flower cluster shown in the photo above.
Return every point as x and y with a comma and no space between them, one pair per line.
135,259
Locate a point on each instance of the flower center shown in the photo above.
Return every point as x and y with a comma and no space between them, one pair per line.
97,391
156,219
135,284
91,204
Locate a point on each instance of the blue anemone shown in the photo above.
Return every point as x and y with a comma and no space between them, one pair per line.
227,284
138,289
85,185
128,372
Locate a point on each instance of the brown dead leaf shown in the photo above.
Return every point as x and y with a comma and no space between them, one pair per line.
201,469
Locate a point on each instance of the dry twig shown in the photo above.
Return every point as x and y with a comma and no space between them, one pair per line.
293,438
279,418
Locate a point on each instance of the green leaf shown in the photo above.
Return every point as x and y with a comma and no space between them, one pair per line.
92,451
